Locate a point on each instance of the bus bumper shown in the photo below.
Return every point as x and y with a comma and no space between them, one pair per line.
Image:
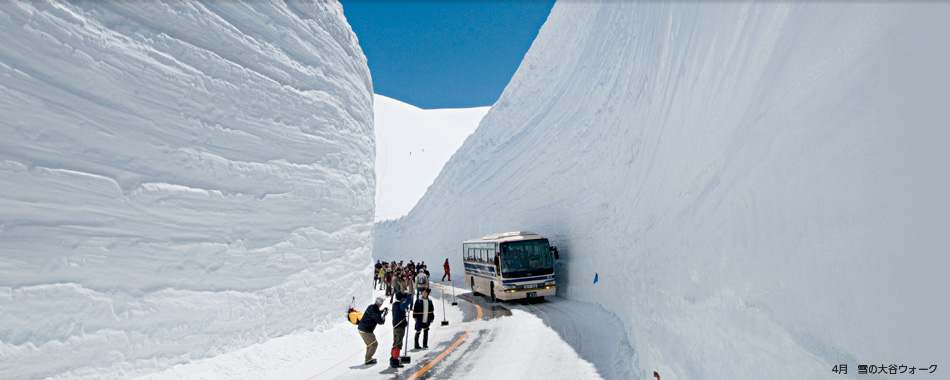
526,293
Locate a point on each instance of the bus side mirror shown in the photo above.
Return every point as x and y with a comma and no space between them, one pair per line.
554,251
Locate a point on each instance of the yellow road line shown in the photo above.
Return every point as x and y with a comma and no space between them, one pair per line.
448,350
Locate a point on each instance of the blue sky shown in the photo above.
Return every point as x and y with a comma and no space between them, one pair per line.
445,54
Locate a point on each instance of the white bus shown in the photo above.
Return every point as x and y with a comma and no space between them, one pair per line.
510,265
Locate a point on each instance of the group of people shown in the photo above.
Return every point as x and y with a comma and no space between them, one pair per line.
400,282
401,278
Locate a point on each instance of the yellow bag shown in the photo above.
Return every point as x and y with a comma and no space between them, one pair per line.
354,316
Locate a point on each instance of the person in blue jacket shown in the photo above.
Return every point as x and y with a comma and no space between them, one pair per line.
400,321
372,317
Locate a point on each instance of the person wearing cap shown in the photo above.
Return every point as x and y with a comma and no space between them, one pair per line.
400,321
372,317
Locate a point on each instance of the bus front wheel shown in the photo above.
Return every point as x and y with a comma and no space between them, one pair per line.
475,292
493,299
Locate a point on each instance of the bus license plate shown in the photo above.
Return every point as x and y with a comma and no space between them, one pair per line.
532,294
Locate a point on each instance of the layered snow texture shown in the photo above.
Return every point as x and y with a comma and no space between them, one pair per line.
759,188
177,179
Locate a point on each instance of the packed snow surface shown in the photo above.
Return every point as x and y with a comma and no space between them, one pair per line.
492,348
759,188
412,145
177,180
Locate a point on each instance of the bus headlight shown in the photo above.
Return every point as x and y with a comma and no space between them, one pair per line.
549,283
509,287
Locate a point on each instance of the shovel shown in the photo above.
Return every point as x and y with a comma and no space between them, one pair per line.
454,302
405,359
444,321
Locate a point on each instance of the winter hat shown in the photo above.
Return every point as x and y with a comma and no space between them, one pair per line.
380,299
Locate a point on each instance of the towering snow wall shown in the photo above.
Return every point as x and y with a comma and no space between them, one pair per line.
758,187
177,179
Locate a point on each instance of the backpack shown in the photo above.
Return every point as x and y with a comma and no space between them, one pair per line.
354,316
421,279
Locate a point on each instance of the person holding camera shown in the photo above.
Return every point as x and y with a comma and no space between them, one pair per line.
372,317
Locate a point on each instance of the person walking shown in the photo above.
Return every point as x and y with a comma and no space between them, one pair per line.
447,272
424,313
372,317
400,321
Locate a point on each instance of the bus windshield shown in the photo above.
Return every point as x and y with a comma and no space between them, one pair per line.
526,258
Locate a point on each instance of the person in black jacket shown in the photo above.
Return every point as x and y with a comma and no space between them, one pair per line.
372,317
400,321
424,313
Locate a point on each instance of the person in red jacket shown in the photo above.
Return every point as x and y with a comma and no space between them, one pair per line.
446,267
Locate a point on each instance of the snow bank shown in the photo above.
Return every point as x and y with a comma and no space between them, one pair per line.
178,179
412,146
759,187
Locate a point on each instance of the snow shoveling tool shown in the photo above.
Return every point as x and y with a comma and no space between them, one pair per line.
405,359
444,321
454,302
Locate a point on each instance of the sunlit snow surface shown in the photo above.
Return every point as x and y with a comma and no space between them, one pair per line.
760,188
412,145
177,180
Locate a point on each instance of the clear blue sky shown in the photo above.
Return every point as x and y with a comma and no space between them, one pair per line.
443,53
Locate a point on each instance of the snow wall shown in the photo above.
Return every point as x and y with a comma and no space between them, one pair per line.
177,180
759,188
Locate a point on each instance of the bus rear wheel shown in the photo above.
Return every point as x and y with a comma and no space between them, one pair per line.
493,299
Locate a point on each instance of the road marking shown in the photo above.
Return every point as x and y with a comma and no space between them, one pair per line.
448,350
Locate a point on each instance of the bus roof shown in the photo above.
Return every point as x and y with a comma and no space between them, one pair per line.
508,236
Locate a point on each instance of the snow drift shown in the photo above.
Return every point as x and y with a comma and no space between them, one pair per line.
178,180
758,187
